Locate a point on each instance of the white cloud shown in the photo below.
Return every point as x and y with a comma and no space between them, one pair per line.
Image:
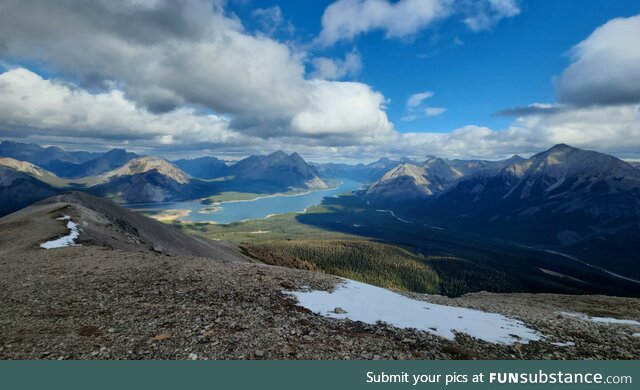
334,69
605,67
434,111
30,104
482,15
165,55
341,109
344,20
613,129
34,107
417,98
416,108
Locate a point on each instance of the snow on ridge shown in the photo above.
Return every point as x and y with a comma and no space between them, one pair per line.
68,240
362,302
602,320
564,344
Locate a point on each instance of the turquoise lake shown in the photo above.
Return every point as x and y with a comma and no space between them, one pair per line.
241,210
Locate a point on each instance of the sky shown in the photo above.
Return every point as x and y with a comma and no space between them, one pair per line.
341,80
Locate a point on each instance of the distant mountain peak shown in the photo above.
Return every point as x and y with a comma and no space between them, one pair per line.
279,154
405,181
515,158
561,148
296,157
21,166
405,170
283,170
117,151
145,164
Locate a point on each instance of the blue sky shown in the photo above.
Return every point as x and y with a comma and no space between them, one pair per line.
330,79
473,75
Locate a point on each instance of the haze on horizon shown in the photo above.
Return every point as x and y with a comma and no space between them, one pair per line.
337,80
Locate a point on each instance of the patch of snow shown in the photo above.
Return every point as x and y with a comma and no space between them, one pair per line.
356,225
636,335
564,344
370,304
260,232
68,240
602,320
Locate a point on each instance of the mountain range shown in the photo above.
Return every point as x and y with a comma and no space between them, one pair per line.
365,173
581,205
203,167
276,171
129,178
582,201
98,165
65,164
129,287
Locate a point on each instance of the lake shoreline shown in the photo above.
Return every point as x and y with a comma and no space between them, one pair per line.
241,210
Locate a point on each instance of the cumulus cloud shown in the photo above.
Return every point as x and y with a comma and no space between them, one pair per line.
340,109
170,54
334,69
605,67
56,112
613,129
344,20
31,105
183,75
